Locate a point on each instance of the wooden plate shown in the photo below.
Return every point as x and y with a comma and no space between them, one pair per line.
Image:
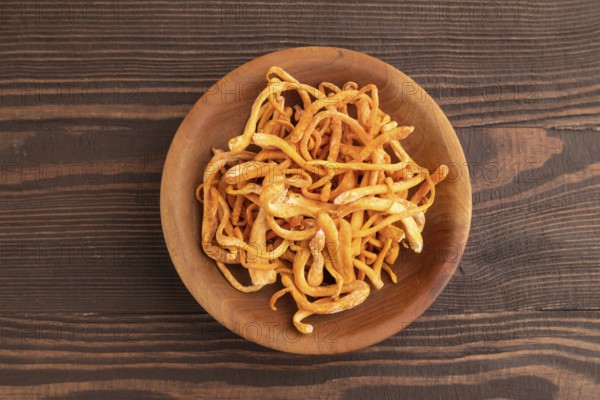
221,114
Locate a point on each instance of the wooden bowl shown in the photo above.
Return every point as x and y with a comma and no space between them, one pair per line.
221,114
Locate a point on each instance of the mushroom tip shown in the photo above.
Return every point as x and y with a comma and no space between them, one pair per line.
233,142
339,200
417,247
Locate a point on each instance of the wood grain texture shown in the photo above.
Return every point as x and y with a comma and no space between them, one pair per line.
104,87
101,238
492,355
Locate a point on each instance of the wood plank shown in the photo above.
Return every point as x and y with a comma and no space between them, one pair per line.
520,63
87,205
441,356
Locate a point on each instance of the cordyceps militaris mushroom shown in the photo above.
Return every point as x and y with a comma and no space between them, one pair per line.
327,202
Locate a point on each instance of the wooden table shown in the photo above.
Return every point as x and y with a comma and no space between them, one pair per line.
92,93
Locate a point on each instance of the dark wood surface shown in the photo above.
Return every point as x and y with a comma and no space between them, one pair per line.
91,95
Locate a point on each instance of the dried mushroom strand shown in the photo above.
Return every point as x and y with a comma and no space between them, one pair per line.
326,203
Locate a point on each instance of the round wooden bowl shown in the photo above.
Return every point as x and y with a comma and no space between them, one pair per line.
221,114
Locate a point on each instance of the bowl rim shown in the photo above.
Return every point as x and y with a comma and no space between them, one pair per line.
177,260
